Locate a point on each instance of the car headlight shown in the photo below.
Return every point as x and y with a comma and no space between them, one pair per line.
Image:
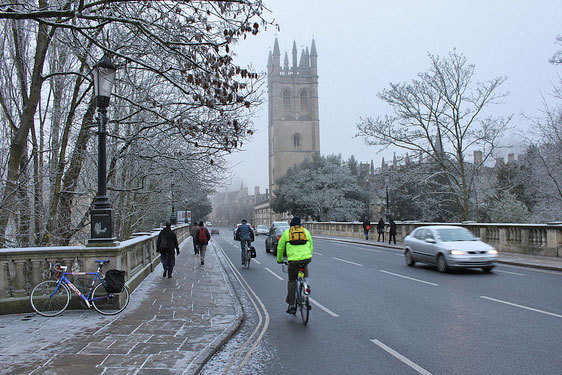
457,252
493,252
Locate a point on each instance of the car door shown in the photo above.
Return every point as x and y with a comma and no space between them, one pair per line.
429,246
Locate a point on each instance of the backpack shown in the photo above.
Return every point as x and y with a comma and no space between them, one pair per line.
162,243
297,236
202,237
114,281
368,227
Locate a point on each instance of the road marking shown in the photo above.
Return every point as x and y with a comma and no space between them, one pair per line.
364,247
274,274
315,253
399,255
322,307
511,273
256,261
410,278
399,356
521,306
347,261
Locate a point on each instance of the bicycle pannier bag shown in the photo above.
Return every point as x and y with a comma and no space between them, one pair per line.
297,236
114,281
253,252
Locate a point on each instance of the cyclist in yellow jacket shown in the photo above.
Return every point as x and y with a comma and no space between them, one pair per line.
297,243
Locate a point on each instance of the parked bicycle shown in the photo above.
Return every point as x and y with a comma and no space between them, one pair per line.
302,302
51,297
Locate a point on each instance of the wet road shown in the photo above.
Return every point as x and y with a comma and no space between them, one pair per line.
374,315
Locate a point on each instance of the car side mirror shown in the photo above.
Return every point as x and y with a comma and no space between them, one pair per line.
430,240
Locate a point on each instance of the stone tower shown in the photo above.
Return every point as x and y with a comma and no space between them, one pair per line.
293,110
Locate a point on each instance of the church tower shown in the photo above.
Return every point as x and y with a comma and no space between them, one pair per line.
293,130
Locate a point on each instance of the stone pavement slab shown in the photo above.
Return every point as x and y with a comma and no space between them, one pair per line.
172,326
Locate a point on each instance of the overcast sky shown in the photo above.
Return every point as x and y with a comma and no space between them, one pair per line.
363,45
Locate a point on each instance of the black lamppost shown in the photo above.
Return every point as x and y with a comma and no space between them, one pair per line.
173,216
101,228
387,212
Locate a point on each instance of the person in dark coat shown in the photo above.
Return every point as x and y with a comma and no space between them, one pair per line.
380,229
392,232
166,244
246,235
194,238
203,237
366,227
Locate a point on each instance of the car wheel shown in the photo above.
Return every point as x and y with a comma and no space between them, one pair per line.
487,269
441,263
409,258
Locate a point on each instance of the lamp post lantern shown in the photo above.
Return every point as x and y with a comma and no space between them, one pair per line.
101,227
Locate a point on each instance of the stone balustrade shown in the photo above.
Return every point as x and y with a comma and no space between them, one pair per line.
532,239
23,268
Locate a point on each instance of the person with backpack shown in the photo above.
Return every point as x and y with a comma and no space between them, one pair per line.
297,243
165,244
194,238
245,234
203,237
366,227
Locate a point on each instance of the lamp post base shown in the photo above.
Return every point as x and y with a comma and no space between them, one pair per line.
101,228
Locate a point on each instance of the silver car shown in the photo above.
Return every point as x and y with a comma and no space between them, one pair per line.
448,247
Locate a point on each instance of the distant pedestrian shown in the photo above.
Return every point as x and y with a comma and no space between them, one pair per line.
194,238
203,237
380,229
166,243
392,232
366,227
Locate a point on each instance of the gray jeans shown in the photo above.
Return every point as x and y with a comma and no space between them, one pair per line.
293,272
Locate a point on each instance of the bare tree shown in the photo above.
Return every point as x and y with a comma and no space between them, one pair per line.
177,78
442,116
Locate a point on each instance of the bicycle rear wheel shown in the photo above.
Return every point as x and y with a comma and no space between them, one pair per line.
248,259
303,304
49,298
109,303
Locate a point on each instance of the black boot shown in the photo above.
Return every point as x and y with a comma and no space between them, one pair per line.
164,274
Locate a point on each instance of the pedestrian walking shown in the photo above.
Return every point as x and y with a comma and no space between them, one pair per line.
392,232
203,237
194,238
366,227
166,243
380,229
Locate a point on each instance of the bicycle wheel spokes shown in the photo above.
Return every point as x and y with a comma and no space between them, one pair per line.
303,304
49,298
109,303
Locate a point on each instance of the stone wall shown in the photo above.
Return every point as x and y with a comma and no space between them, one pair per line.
532,239
23,268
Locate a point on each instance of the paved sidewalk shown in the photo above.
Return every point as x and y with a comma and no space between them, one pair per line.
542,262
172,326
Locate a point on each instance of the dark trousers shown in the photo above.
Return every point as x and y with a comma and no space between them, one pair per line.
381,234
366,233
244,245
390,237
195,247
168,261
293,272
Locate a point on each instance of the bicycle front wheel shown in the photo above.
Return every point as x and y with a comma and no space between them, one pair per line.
49,298
303,304
109,303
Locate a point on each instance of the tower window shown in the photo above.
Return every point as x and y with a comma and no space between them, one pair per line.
286,103
304,102
297,138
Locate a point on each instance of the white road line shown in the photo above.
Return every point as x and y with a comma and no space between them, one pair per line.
399,255
323,307
362,247
521,306
316,253
256,261
399,356
274,274
347,261
511,273
410,278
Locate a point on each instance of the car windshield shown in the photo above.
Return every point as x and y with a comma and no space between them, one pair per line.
455,234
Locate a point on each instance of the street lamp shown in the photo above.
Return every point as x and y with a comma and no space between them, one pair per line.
101,227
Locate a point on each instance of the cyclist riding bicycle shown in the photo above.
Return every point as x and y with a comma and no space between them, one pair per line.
297,243
246,235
